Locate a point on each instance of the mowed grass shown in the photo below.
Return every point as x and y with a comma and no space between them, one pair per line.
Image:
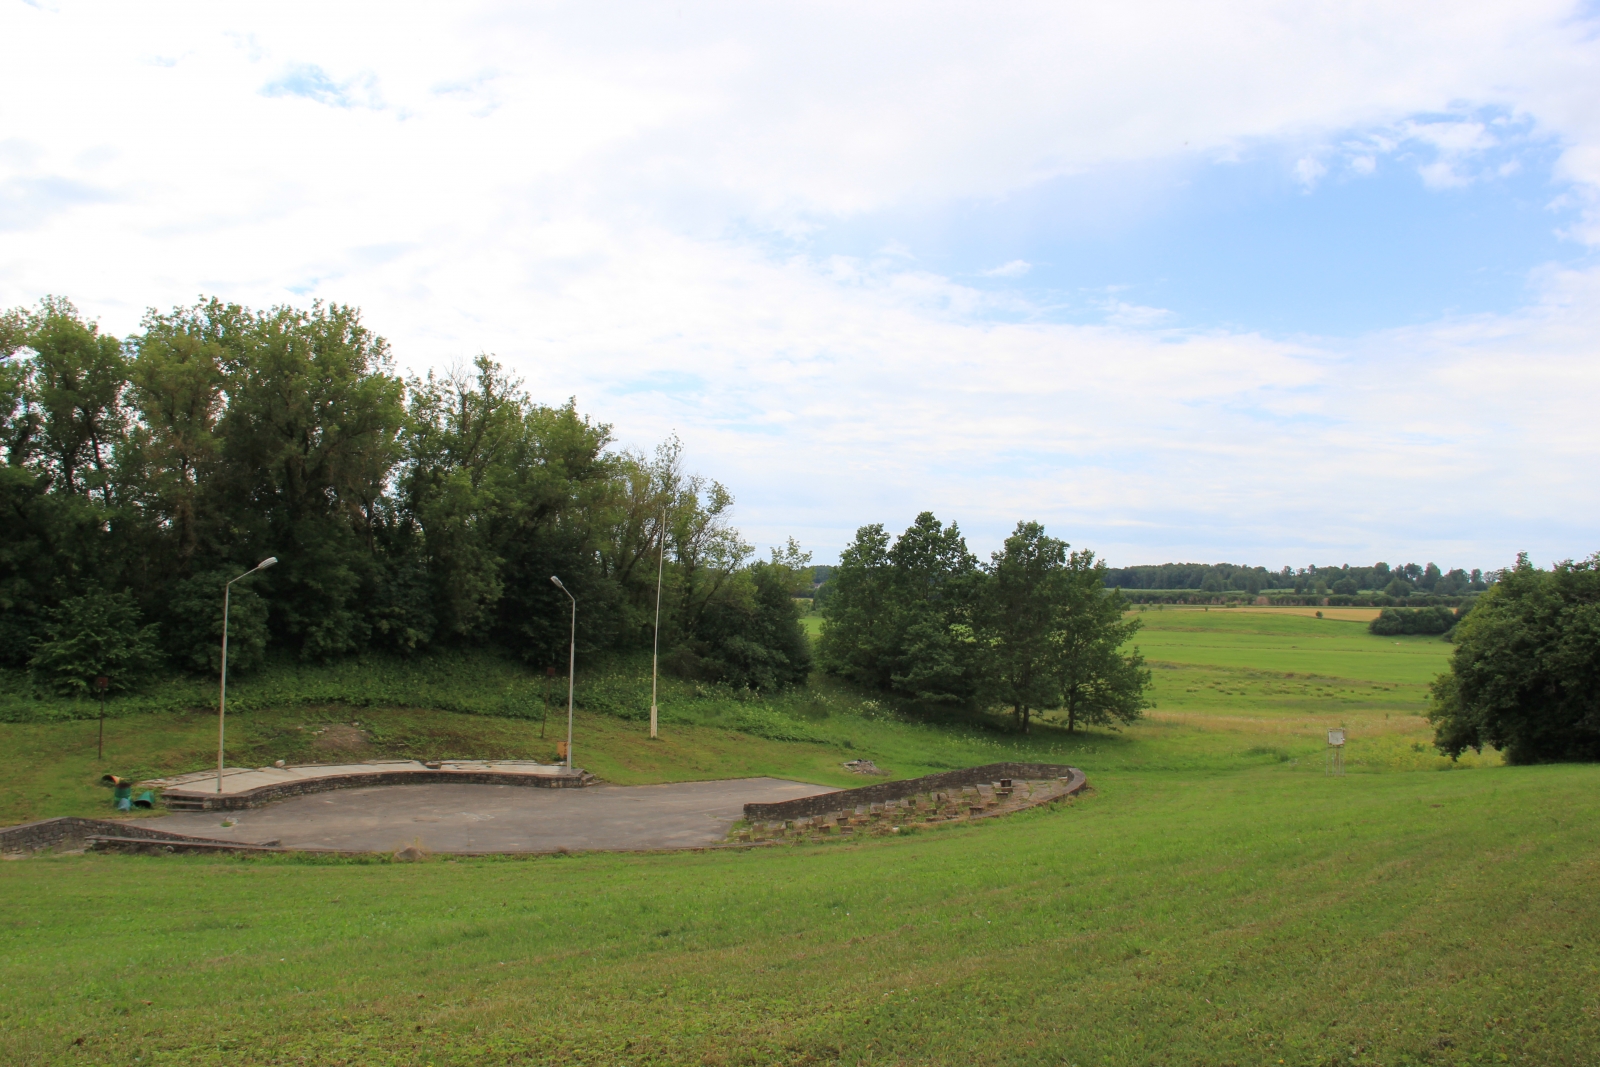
1261,917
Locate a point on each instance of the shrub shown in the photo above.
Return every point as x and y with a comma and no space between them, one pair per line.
1392,621
93,635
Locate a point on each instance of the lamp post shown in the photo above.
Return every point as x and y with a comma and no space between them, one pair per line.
222,691
655,647
572,662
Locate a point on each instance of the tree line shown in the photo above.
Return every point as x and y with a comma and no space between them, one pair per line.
1345,580
1032,629
141,474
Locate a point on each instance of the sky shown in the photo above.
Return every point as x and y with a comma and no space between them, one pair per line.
1266,283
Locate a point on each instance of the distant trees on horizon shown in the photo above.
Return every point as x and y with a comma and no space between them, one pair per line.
1322,581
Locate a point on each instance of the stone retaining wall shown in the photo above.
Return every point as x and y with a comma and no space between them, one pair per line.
75,832
822,803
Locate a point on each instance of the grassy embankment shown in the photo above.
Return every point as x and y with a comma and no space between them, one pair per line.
1215,900
1233,688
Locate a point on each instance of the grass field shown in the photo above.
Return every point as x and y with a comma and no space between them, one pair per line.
1216,899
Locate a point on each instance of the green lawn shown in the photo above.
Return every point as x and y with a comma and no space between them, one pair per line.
1215,899
1250,918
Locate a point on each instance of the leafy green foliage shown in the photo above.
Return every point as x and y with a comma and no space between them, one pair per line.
899,618
1100,684
408,514
1035,629
1021,607
750,637
1525,674
96,634
193,631
1392,621
857,639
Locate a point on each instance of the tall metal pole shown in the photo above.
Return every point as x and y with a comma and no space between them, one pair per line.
222,688
572,663
655,648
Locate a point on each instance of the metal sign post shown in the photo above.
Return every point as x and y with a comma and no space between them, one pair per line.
1335,767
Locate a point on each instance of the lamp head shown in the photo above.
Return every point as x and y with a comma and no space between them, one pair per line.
559,586
268,562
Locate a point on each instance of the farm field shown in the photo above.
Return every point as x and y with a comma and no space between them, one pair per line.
1216,899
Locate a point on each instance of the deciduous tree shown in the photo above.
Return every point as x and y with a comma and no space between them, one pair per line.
1525,673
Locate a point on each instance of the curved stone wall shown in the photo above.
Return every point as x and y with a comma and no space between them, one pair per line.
823,803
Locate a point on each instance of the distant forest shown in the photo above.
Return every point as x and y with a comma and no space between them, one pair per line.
1380,578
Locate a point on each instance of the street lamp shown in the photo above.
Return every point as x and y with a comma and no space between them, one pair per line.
572,662
655,648
222,693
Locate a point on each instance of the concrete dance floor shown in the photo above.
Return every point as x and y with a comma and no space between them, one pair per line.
495,818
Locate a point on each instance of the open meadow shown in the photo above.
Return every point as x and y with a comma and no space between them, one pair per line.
1215,899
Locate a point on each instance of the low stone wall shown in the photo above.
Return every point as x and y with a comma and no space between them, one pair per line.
255,798
822,803
75,832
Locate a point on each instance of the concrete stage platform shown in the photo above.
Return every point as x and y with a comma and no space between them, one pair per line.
251,787
453,817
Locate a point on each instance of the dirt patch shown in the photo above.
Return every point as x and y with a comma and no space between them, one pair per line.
341,739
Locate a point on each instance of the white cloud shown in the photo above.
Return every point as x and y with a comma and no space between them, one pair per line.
1014,269
594,191
1309,170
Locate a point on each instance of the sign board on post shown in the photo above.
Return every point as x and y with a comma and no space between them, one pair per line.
1336,752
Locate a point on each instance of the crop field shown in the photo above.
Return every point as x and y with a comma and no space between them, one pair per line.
1215,899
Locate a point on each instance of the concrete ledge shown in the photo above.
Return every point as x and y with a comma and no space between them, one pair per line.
144,847
173,844
823,803
200,799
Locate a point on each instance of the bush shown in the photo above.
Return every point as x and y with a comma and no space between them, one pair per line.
1525,675
1393,621
93,635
